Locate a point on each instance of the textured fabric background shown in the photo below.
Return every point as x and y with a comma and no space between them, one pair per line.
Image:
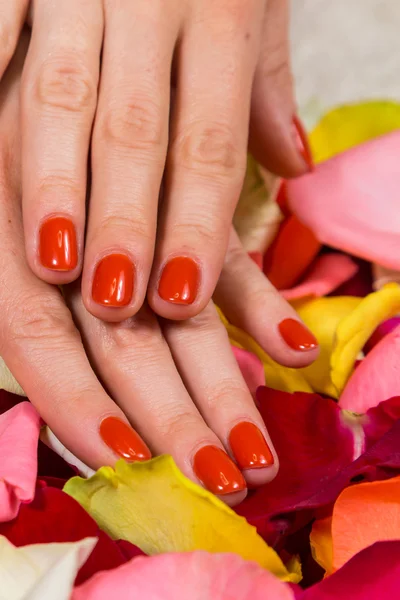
344,51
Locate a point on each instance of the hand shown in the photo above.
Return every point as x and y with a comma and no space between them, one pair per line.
214,52
176,383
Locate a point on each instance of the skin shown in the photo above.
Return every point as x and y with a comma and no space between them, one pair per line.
170,101
175,381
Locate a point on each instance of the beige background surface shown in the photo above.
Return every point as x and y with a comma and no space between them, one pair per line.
344,51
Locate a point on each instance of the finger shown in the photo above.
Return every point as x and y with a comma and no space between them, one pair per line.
250,302
58,103
201,350
277,138
11,23
128,154
136,365
207,154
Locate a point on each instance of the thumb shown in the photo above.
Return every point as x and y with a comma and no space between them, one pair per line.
277,138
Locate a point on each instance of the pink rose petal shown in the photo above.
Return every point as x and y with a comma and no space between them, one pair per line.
376,378
351,201
373,574
187,576
19,434
328,272
251,367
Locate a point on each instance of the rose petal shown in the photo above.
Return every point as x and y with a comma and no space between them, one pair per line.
364,514
321,543
19,434
194,575
155,507
291,253
342,326
383,329
373,573
321,449
53,516
251,367
376,378
326,274
41,571
350,201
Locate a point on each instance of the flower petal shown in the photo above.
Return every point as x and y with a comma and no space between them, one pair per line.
194,575
321,450
154,506
19,434
323,316
290,254
364,514
8,381
321,543
328,272
373,573
376,377
41,571
350,201
351,125
53,516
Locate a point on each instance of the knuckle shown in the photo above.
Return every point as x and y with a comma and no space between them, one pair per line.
125,227
139,336
209,149
59,184
66,84
203,232
135,125
41,318
173,425
224,395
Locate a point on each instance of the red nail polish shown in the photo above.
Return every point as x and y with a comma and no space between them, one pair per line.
297,336
113,281
123,440
179,281
57,244
217,472
249,447
302,142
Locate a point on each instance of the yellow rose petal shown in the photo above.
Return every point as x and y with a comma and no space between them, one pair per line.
349,126
354,331
323,316
321,543
154,506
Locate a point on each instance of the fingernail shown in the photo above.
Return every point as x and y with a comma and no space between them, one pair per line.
297,336
213,467
302,142
249,447
123,440
257,257
179,281
113,281
57,244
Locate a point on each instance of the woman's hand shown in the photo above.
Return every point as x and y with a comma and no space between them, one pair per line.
172,387
100,74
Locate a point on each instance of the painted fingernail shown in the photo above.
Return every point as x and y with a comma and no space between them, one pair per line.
217,472
297,336
113,281
123,440
302,142
249,447
57,244
257,257
179,281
